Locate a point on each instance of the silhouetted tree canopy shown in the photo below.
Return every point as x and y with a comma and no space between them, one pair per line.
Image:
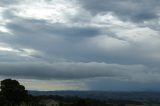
12,91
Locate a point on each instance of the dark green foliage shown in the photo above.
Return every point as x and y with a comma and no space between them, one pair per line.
13,92
3,101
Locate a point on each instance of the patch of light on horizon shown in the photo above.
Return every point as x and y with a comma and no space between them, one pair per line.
50,85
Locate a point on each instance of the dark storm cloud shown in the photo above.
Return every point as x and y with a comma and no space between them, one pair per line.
134,10
52,29
71,70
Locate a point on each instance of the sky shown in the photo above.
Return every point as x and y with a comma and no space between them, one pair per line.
111,45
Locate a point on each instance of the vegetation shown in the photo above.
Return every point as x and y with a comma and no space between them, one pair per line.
14,94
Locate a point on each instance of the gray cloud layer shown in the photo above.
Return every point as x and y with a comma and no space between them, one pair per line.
69,70
80,39
134,10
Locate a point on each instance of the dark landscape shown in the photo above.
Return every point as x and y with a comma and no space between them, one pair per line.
14,94
104,95
108,96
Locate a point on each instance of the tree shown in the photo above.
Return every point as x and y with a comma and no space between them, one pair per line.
13,92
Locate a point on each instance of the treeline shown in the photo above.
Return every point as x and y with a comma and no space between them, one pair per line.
14,94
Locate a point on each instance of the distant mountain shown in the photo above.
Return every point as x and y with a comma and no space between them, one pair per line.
104,95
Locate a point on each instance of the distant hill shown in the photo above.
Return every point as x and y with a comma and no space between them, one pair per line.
104,95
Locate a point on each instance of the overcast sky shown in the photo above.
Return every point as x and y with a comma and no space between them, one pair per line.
81,44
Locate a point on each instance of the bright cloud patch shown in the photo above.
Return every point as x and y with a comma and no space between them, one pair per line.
54,11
